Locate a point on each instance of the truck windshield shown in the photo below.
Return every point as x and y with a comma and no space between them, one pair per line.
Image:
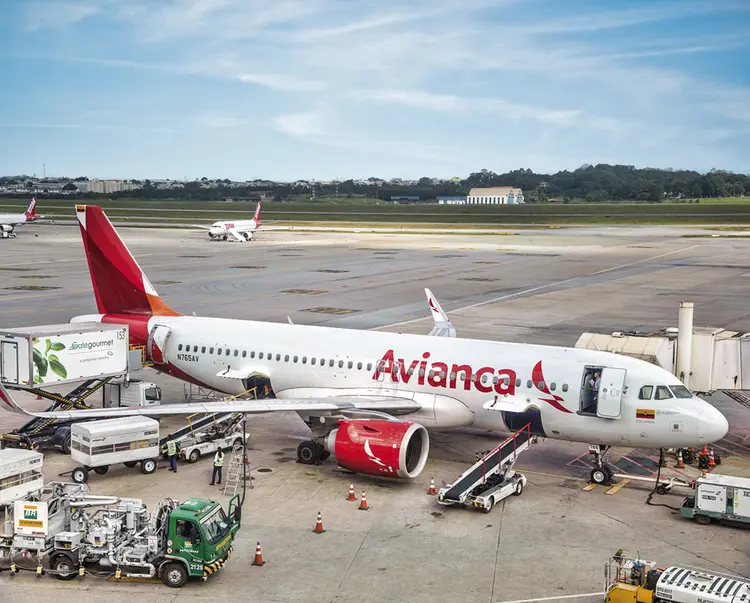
215,525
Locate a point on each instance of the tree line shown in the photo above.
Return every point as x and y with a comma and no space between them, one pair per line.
591,183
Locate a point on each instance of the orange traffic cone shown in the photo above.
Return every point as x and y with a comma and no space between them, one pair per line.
363,502
319,525
680,464
711,459
258,561
432,491
351,496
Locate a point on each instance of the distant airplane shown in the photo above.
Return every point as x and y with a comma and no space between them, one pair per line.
241,230
8,222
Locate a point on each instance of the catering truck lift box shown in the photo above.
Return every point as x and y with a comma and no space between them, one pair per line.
65,353
20,474
99,444
73,532
720,497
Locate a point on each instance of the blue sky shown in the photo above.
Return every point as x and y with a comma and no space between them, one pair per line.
288,89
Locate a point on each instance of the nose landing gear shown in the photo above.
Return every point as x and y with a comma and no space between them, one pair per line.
601,473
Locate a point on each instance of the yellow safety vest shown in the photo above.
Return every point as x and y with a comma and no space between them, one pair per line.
218,460
171,448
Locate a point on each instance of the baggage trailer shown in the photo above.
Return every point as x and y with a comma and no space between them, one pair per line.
20,474
491,478
99,444
720,498
72,533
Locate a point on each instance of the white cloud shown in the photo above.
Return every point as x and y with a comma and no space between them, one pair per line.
43,15
302,125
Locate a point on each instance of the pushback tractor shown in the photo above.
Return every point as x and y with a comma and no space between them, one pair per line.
74,533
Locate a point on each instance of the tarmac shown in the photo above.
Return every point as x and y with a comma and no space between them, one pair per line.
541,286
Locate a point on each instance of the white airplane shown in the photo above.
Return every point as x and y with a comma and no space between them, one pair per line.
369,397
8,222
241,230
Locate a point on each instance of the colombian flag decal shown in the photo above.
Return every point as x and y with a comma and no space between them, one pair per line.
644,413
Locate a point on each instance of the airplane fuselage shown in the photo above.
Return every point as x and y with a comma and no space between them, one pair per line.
452,379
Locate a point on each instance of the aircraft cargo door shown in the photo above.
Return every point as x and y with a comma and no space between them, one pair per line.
611,387
157,344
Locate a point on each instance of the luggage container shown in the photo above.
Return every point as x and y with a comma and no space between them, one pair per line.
719,497
20,474
99,444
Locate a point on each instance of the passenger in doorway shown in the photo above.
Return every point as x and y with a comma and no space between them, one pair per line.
218,464
595,388
172,453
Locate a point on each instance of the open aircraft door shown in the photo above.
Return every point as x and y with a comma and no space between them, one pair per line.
611,389
157,343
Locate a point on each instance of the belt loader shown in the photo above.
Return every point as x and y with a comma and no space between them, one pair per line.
79,533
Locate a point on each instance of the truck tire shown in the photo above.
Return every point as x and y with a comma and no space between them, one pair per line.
704,520
148,466
63,567
101,470
194,456
519,489
65,447
491,503
175,575
130,464
80,475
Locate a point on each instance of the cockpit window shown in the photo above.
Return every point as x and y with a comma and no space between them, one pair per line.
680,391
663,393
646,392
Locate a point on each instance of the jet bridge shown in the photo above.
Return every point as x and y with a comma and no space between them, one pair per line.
491,475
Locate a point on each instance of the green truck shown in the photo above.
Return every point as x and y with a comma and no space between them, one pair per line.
69,533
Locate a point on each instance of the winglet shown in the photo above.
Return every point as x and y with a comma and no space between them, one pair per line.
8,403
290,320
443,327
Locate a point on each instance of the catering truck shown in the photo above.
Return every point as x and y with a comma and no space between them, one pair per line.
69,533
64,353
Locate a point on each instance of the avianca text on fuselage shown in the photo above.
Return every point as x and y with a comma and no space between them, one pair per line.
439,375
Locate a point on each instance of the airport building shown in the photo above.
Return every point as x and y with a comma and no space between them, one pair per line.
496,195
111,186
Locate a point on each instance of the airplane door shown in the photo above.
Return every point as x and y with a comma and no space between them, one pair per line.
157,344
609,400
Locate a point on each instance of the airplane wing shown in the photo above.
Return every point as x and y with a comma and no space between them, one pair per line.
443,327
201,226
235,233
300,405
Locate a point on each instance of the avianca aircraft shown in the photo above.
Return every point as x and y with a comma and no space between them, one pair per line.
242,230
369,397
8,222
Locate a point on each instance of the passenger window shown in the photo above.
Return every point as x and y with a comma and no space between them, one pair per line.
430,374
295,358
410,371
252,354
663,393
260,356
359,366
211,351
518,383
552,386
244,353
179,348
540,385
341,364
453,376
286,358
529,384
278,357
304,359
351,364
313,360
646,392
195,348
236,353
565,387
484,378
369,366
203,350
227,352
322,362
331,362
218,351
495,380
421,372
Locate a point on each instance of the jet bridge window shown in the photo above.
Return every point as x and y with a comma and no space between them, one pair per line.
663,393
646,392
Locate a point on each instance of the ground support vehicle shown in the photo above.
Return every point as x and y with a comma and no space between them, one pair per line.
73,533
20,474
630,580
127,440
204,436
491,478
719,497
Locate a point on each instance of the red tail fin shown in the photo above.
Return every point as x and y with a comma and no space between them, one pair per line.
256,217
31,211
120,286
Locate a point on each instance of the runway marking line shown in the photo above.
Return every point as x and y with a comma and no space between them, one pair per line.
557,598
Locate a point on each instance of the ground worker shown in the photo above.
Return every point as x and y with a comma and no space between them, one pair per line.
172,453
218,464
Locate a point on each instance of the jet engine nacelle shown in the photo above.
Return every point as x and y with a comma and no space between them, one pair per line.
396,449
6,228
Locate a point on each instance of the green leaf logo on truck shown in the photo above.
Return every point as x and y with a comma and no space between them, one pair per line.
48,361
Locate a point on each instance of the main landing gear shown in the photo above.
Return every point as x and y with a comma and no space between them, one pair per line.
601,473
311,452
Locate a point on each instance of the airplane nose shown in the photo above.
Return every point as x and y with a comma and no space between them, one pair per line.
712,425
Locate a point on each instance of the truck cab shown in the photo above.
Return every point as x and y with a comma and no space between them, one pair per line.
132,393
199,540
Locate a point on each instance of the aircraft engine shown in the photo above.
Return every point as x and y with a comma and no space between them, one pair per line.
395,449
6,228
